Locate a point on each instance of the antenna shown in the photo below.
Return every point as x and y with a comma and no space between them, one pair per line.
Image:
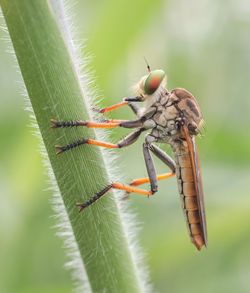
148,67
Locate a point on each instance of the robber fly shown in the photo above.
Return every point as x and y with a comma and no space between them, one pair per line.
171,117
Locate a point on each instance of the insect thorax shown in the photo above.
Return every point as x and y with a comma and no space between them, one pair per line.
168,111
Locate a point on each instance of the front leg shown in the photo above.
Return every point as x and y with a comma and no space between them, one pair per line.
126,101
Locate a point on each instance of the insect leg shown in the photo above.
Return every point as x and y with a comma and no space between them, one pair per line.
165,158
128,140
126,101
134,108
92,124
89,124
150,168
113,120
115,185
112,107
139,181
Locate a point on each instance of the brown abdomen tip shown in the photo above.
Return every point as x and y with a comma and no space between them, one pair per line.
198,241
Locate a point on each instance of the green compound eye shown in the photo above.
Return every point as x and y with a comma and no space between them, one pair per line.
153,81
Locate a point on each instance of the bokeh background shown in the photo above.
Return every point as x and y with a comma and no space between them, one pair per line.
204,47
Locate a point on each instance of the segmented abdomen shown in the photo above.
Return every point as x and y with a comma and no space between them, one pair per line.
189,197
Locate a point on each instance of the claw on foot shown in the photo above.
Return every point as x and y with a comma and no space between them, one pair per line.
81,206
54,123
97,110
59,149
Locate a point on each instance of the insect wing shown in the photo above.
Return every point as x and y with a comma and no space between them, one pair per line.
197,178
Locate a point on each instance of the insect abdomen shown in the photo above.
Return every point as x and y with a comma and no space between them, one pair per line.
185,178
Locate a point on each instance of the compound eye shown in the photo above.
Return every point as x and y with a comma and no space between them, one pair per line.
153,81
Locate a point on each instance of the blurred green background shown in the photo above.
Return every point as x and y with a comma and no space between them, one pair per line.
204,47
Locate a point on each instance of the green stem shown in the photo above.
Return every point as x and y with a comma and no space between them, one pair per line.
54,89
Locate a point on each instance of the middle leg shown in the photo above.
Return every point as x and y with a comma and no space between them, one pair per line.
92,124
128,140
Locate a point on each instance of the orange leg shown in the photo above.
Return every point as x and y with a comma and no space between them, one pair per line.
128,188
128,140
103,144
114,120
113,107
105,124
126,101
112,123
61,149
140,181
115,185
90,124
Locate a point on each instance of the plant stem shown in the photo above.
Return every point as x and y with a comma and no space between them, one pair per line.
53,86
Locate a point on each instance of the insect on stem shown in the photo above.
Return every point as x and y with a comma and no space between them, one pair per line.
171,117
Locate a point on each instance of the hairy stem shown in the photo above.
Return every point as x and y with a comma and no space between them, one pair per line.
55,91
